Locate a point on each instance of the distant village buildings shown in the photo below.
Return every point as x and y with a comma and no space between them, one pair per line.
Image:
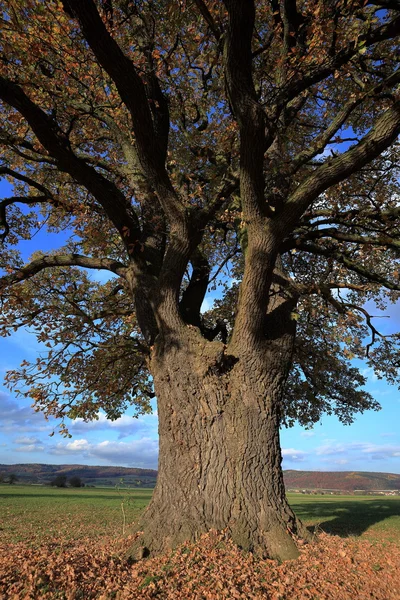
322,492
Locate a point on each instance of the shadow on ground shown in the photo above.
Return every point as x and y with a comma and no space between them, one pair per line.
347,517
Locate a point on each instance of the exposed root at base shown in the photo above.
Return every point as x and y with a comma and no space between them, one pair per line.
277,544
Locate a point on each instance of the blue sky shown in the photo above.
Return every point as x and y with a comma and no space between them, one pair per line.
372,443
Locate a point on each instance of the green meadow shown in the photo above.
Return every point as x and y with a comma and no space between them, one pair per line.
373,517
36,514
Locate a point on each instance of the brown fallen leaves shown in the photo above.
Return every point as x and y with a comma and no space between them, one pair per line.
332,568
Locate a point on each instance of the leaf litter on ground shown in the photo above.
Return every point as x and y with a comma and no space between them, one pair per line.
330,568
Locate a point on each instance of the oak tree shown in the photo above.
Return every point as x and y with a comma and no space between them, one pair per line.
59,481
182,144
76,482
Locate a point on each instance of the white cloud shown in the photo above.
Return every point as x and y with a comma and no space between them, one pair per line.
18,418
307,434
290,454
125,425
359,450
77,446
328,449
231,282
380,451
30,448
369,374
137,453
26,440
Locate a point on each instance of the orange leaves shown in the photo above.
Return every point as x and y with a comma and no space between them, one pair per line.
330,568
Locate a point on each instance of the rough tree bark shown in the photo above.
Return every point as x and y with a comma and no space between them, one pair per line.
220,457
218,405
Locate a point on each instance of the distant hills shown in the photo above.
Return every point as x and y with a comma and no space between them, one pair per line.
345,481
98,476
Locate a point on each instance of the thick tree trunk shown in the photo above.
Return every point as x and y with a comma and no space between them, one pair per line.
220,458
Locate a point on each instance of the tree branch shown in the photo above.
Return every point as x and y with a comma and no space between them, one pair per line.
346,218
334,170
229,184
193,296
121,70
247,110
13,141
151,148
62,260
320,288
349,264
14,200
207,16
322,140
382,239
25,179
368,317
119,210
295,87
388,4
154,226
342,307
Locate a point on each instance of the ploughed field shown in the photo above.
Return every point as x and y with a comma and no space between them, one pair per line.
70,544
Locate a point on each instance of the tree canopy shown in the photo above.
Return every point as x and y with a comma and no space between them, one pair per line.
60,481
76,482
159,138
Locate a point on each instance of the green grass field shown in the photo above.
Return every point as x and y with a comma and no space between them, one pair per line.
35,514
373,517
29,512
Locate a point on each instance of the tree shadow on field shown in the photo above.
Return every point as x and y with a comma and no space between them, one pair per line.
346,517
